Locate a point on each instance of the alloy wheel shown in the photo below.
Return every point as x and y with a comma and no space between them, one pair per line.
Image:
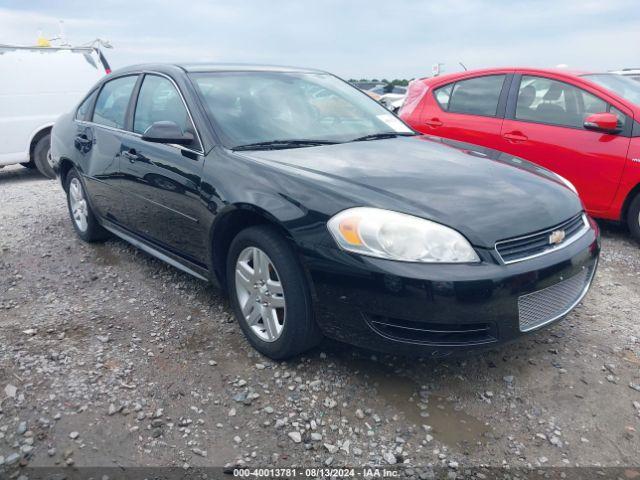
78,203
260,294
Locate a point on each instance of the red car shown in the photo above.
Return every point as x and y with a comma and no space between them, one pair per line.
583,126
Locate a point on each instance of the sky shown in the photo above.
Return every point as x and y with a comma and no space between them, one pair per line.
351,38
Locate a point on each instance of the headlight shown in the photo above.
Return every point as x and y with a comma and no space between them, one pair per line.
397,236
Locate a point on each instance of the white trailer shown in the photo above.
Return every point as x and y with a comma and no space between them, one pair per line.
37,84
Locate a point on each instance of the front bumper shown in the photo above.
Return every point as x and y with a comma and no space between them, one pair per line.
438,310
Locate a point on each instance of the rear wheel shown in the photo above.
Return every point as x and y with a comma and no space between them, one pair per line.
41,157
633,217
269,294
84,221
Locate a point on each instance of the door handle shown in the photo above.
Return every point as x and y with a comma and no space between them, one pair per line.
433,122
130,155
515,137
83,142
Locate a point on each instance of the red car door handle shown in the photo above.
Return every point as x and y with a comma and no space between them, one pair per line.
515,137
433,122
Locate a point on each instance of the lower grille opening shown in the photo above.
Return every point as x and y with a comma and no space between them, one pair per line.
544,306
432,333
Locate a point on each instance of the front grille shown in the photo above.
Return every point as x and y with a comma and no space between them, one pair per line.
521,248
432,333
544,306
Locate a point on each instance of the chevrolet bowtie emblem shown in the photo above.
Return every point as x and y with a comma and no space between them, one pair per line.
556,237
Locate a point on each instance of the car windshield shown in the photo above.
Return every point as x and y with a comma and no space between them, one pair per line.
623,86
291,109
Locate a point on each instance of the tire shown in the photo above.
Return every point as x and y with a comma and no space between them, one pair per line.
40,157
633,217
298,329
89,229
30,165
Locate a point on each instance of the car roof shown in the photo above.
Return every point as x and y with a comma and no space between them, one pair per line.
226,67
214,67
487,71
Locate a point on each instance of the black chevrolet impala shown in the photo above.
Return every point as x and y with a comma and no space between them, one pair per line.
321,213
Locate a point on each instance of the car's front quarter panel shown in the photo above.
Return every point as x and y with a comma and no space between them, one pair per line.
300,206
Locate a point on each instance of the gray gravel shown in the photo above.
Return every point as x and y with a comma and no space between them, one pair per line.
109,357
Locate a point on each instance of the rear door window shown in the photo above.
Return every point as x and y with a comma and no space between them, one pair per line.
477,96
113,100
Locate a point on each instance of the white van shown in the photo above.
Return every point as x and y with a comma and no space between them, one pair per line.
37,84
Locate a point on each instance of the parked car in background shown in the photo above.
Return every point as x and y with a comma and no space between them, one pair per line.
633,73
391,96
375,92
321,213
583,126
366,85
37,84
394,99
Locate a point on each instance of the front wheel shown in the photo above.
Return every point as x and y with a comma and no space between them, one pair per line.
269,294
633,217
84,221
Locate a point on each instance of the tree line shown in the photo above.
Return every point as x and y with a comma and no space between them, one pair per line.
389,84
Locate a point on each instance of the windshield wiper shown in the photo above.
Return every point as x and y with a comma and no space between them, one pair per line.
282,144
380,136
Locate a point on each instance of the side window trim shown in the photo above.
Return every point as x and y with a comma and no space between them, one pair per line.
504,95
131,115
502,98
133,101
512,98
512,103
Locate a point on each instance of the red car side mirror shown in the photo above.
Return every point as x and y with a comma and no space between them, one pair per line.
603,122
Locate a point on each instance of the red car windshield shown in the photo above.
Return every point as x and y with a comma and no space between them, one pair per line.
618,84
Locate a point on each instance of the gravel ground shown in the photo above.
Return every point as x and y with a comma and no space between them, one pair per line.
109,357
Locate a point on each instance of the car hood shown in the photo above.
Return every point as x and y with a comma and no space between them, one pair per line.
484,194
